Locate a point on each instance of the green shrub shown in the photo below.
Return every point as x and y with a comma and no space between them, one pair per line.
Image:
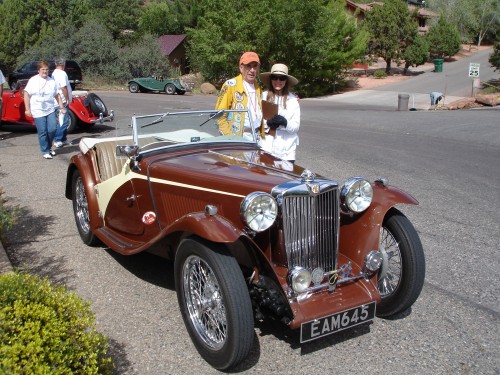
44,329
379,73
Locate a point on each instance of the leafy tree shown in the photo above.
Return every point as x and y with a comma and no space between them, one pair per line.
97,52
443,39
474,19
158,19
54,45
416,53
23,23
495,56
118,16
390,26
316,52
144,59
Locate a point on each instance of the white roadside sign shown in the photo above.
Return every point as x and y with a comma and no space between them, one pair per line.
474,70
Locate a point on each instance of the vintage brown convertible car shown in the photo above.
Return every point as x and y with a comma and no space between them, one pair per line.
251,236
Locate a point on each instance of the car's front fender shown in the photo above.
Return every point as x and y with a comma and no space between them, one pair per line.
354,245
212,228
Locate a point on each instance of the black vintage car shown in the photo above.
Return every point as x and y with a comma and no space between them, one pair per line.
29,69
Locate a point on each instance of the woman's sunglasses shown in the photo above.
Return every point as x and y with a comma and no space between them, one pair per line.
281,78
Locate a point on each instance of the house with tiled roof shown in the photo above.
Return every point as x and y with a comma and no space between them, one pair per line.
173,47
423,14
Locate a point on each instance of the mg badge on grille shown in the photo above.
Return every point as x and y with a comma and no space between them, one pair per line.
313,188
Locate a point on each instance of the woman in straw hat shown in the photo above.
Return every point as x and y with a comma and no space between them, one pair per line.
282,139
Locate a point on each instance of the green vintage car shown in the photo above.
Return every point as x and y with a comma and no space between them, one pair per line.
158,84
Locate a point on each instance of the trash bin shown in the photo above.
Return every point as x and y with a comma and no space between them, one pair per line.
436,97
403,102
438,65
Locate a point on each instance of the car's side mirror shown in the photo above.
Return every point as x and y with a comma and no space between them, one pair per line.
129,151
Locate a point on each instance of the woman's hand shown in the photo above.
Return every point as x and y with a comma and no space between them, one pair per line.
277,121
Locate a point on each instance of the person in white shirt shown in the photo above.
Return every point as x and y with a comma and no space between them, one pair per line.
2,81
282,138
39,95
61,78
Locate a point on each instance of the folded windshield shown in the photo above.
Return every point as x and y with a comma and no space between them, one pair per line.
173,128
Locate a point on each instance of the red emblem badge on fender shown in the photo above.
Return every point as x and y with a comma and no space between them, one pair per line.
149,218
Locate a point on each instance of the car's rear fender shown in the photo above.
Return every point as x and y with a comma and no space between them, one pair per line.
82,112
84,166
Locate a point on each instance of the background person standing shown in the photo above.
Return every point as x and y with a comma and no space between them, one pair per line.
242,92
2,81
61,78
282,139
39,95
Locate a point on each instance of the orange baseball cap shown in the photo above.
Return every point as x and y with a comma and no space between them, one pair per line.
249,57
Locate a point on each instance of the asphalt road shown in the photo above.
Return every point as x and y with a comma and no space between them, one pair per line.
448,160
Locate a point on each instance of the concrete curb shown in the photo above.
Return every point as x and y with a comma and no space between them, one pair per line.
5,265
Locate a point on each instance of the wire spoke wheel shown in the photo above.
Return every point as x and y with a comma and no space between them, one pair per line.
204,302
390,275
81,211
214,302
401,277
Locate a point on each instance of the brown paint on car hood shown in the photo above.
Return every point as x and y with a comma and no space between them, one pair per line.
236,172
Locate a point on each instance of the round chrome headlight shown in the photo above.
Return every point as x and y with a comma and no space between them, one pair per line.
259,210
299,279
356,194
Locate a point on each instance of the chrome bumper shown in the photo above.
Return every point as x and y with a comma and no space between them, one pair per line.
102,119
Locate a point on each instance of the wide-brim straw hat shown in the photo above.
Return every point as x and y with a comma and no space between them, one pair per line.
278,70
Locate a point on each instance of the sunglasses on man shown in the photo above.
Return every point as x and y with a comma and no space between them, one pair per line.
280,78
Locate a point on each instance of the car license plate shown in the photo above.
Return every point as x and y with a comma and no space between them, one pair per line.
327,325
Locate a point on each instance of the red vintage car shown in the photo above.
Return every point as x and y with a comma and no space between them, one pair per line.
251,236
85,110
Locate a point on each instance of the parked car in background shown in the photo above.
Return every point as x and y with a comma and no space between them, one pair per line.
158,84
85,110
251,236
29,69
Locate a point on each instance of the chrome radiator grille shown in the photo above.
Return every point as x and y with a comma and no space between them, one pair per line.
310,227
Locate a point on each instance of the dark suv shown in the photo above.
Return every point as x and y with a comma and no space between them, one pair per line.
29,69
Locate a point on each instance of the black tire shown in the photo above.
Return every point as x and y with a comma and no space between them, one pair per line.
181,92
211,288
73,122
170,89
402,274
81,210
97,105
134,88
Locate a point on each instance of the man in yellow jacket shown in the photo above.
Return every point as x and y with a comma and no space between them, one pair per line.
242,92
